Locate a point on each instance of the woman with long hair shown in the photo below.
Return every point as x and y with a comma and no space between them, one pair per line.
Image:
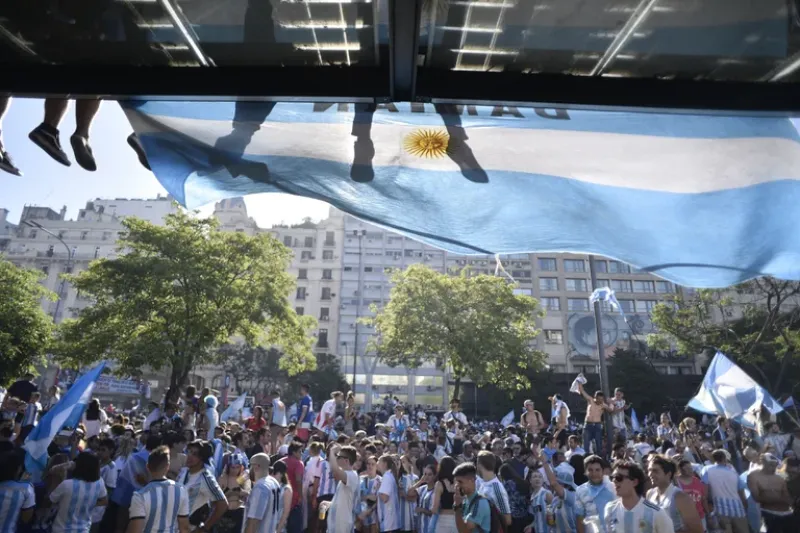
519,492
16,495
95,419
235,484
369,484
76,498
425,488
279,470
444,489
389,518
55,472
408,496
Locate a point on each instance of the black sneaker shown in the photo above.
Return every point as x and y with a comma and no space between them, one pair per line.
83,152
46,138
7,164
135,143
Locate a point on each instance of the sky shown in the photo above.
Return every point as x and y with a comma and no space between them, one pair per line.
119,174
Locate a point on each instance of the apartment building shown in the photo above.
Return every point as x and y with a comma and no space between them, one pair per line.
561,282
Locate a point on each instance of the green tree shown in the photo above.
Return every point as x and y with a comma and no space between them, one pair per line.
474,324
180,291
25,329
643,386
257,370
756,323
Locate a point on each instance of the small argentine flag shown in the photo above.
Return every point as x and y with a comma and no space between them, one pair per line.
234,408
508,419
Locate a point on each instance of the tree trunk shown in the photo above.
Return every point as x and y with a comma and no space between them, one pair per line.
456,388
177,379
776,389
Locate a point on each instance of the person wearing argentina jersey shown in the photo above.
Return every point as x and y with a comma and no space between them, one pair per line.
389,513
17,499
207,502
490,487
263,505
369,484
341,516
408,496
630,512
563,507
162,506
668,496
425,491
541,499
108,474
726,492
592,497
76,498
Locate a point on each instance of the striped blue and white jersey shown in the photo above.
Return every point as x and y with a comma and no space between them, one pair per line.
327,485
425,501
564,512
645,517
408,508
279,516
538,509
724,485
108,475
496,493
201,487
31,416
159,504
15,496
263,505
76,499
368,487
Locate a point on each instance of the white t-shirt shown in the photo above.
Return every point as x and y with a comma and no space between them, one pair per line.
327,411
388,517
340,515
95,427
108,475
459,417
76,499
620,520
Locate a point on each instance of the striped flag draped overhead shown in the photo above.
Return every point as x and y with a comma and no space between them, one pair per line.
683,196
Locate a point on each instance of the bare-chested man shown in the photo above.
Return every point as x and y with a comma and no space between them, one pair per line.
593,426
770,491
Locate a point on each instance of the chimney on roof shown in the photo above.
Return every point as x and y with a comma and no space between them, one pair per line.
63,213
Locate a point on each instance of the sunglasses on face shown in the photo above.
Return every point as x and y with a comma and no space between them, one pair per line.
619,478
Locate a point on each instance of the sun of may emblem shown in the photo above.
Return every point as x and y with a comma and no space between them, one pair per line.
427,143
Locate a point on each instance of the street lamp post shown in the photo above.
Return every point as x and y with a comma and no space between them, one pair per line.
598,325
360,236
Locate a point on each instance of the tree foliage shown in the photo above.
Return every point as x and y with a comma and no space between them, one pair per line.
757,323
257,371
475,324
180,291
25,329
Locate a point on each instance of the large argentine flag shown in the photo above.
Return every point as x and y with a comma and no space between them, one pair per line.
702,200
727,390
66,413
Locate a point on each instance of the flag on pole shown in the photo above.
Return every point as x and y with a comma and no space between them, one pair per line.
234,408
635,422
606,294
508,419
154,415
727,390
789,403
66,413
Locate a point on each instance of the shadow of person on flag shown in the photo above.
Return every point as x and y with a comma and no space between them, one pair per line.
229,149
457,148
363,147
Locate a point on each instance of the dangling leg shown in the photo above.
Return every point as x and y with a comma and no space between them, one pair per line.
85,111
45,135
5,160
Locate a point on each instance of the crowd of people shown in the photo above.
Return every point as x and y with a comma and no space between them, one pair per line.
183,468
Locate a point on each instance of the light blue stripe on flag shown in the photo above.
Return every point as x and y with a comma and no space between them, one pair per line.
66,413
679,195
234,407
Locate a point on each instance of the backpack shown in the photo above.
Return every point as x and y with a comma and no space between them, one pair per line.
497,524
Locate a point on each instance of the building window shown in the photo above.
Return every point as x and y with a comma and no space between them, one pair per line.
577,285
552,304
367,269
329,238
577,304
627,305
574,265
302,274
621,285
601,266
586,369
287,240
326,293
32,234
644,286
664,287
305,256
547,264
348,269
645,306
301,293
45,270
618,267
553,336
559,369
84,235
299,310
327,273
322,338
548,284
327,255
324,313
521,274
309,242
526,292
